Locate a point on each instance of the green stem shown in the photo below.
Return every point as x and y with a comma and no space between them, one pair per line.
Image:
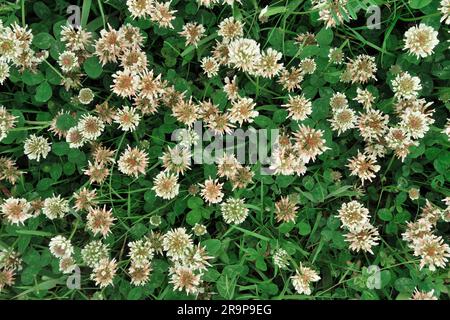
54,69
23,13
100,7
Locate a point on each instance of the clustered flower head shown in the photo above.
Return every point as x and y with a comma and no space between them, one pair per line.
309,143
423,295
94,252
211,191
362,235
133,162
286,209
299,107
406,86
10,264
343,117
36,147
61,248
303,278
85,199
7,121
189,261
333,12
361,69
158,12
336,56
10,260
16,50
281,258
420,40
16,210
166,185
77,45
99,220
421,238
445,11
104,272
141,255
364,97
234,211
243,53
363,166
193,32
55,207
177,160
286,158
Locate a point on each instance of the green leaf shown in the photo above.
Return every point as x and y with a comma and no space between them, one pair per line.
385,214
279,116
308,183
261,264
213,246
43,92
369,295
135,294
339,240
195,202
35,233
309,51
32,78
276,38
76,156
85,12
191,8
56,171
211,275
273,10
43,40
60,148
286,227
44,184
263,121
65,122
193,217
418,4
226,286
404,285
269,288
92,67
69,168
324,37
150,196
41,10
442,164
138,230
284,181
304,228
385,276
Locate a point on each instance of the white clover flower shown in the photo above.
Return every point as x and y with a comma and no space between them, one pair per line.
55,207
36,147
406,86
421,40
4,71
234,211
245,55
60,247
303,278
